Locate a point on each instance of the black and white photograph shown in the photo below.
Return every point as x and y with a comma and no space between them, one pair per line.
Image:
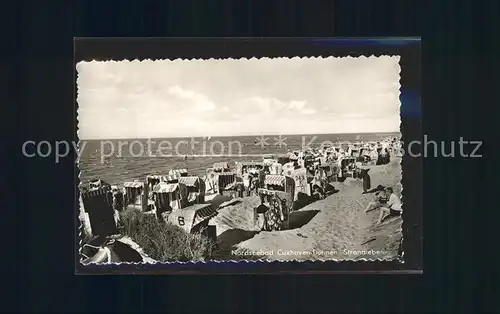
270,159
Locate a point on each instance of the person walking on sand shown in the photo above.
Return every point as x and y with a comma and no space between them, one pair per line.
393,207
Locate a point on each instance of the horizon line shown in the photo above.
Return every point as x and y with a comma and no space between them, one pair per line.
219,136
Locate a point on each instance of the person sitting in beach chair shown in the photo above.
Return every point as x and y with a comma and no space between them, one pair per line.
392,208
256,184
251,184
381,199
246,182
239,189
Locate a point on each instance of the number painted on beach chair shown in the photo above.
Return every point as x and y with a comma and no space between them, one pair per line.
180,220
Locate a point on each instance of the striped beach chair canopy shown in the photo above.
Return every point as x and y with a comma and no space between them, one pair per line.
275,180
135,184
171,178
95,192
178,172
252,163
164,187
189,181
221,166
189,217
154,177
203,212
225,173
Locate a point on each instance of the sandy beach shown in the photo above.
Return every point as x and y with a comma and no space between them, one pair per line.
335,228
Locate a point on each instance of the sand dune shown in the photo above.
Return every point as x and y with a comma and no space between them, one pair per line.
331,229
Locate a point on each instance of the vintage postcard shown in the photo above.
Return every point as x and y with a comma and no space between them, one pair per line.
271,159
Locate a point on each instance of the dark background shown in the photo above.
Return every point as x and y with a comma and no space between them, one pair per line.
88,49
459,62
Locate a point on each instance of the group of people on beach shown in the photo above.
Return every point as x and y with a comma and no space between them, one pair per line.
387,202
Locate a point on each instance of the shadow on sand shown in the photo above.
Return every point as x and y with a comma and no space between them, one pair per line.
124,253
228,241
219,199
375,190
303,199
120,252
330,190
300,218
392,216
231,202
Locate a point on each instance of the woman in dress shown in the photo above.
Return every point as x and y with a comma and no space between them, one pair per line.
366,180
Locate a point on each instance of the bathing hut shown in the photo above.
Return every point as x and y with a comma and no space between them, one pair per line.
153,180
277,201
210,181
302,185
169,196
178,172
224,179
236,188
268,159
195,189
383,155
276,169
248,166
118,198
218,180
96,184
221,167
355,152
136,195
280,183
171,178
85,220
98,204
288,169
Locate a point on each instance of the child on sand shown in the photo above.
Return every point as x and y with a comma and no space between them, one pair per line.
393,207
381,199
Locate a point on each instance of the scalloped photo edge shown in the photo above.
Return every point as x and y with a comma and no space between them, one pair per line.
149,261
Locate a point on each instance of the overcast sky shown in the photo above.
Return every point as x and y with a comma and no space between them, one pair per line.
141,99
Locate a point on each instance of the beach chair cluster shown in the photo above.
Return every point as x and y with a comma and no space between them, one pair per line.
157,194
279,180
